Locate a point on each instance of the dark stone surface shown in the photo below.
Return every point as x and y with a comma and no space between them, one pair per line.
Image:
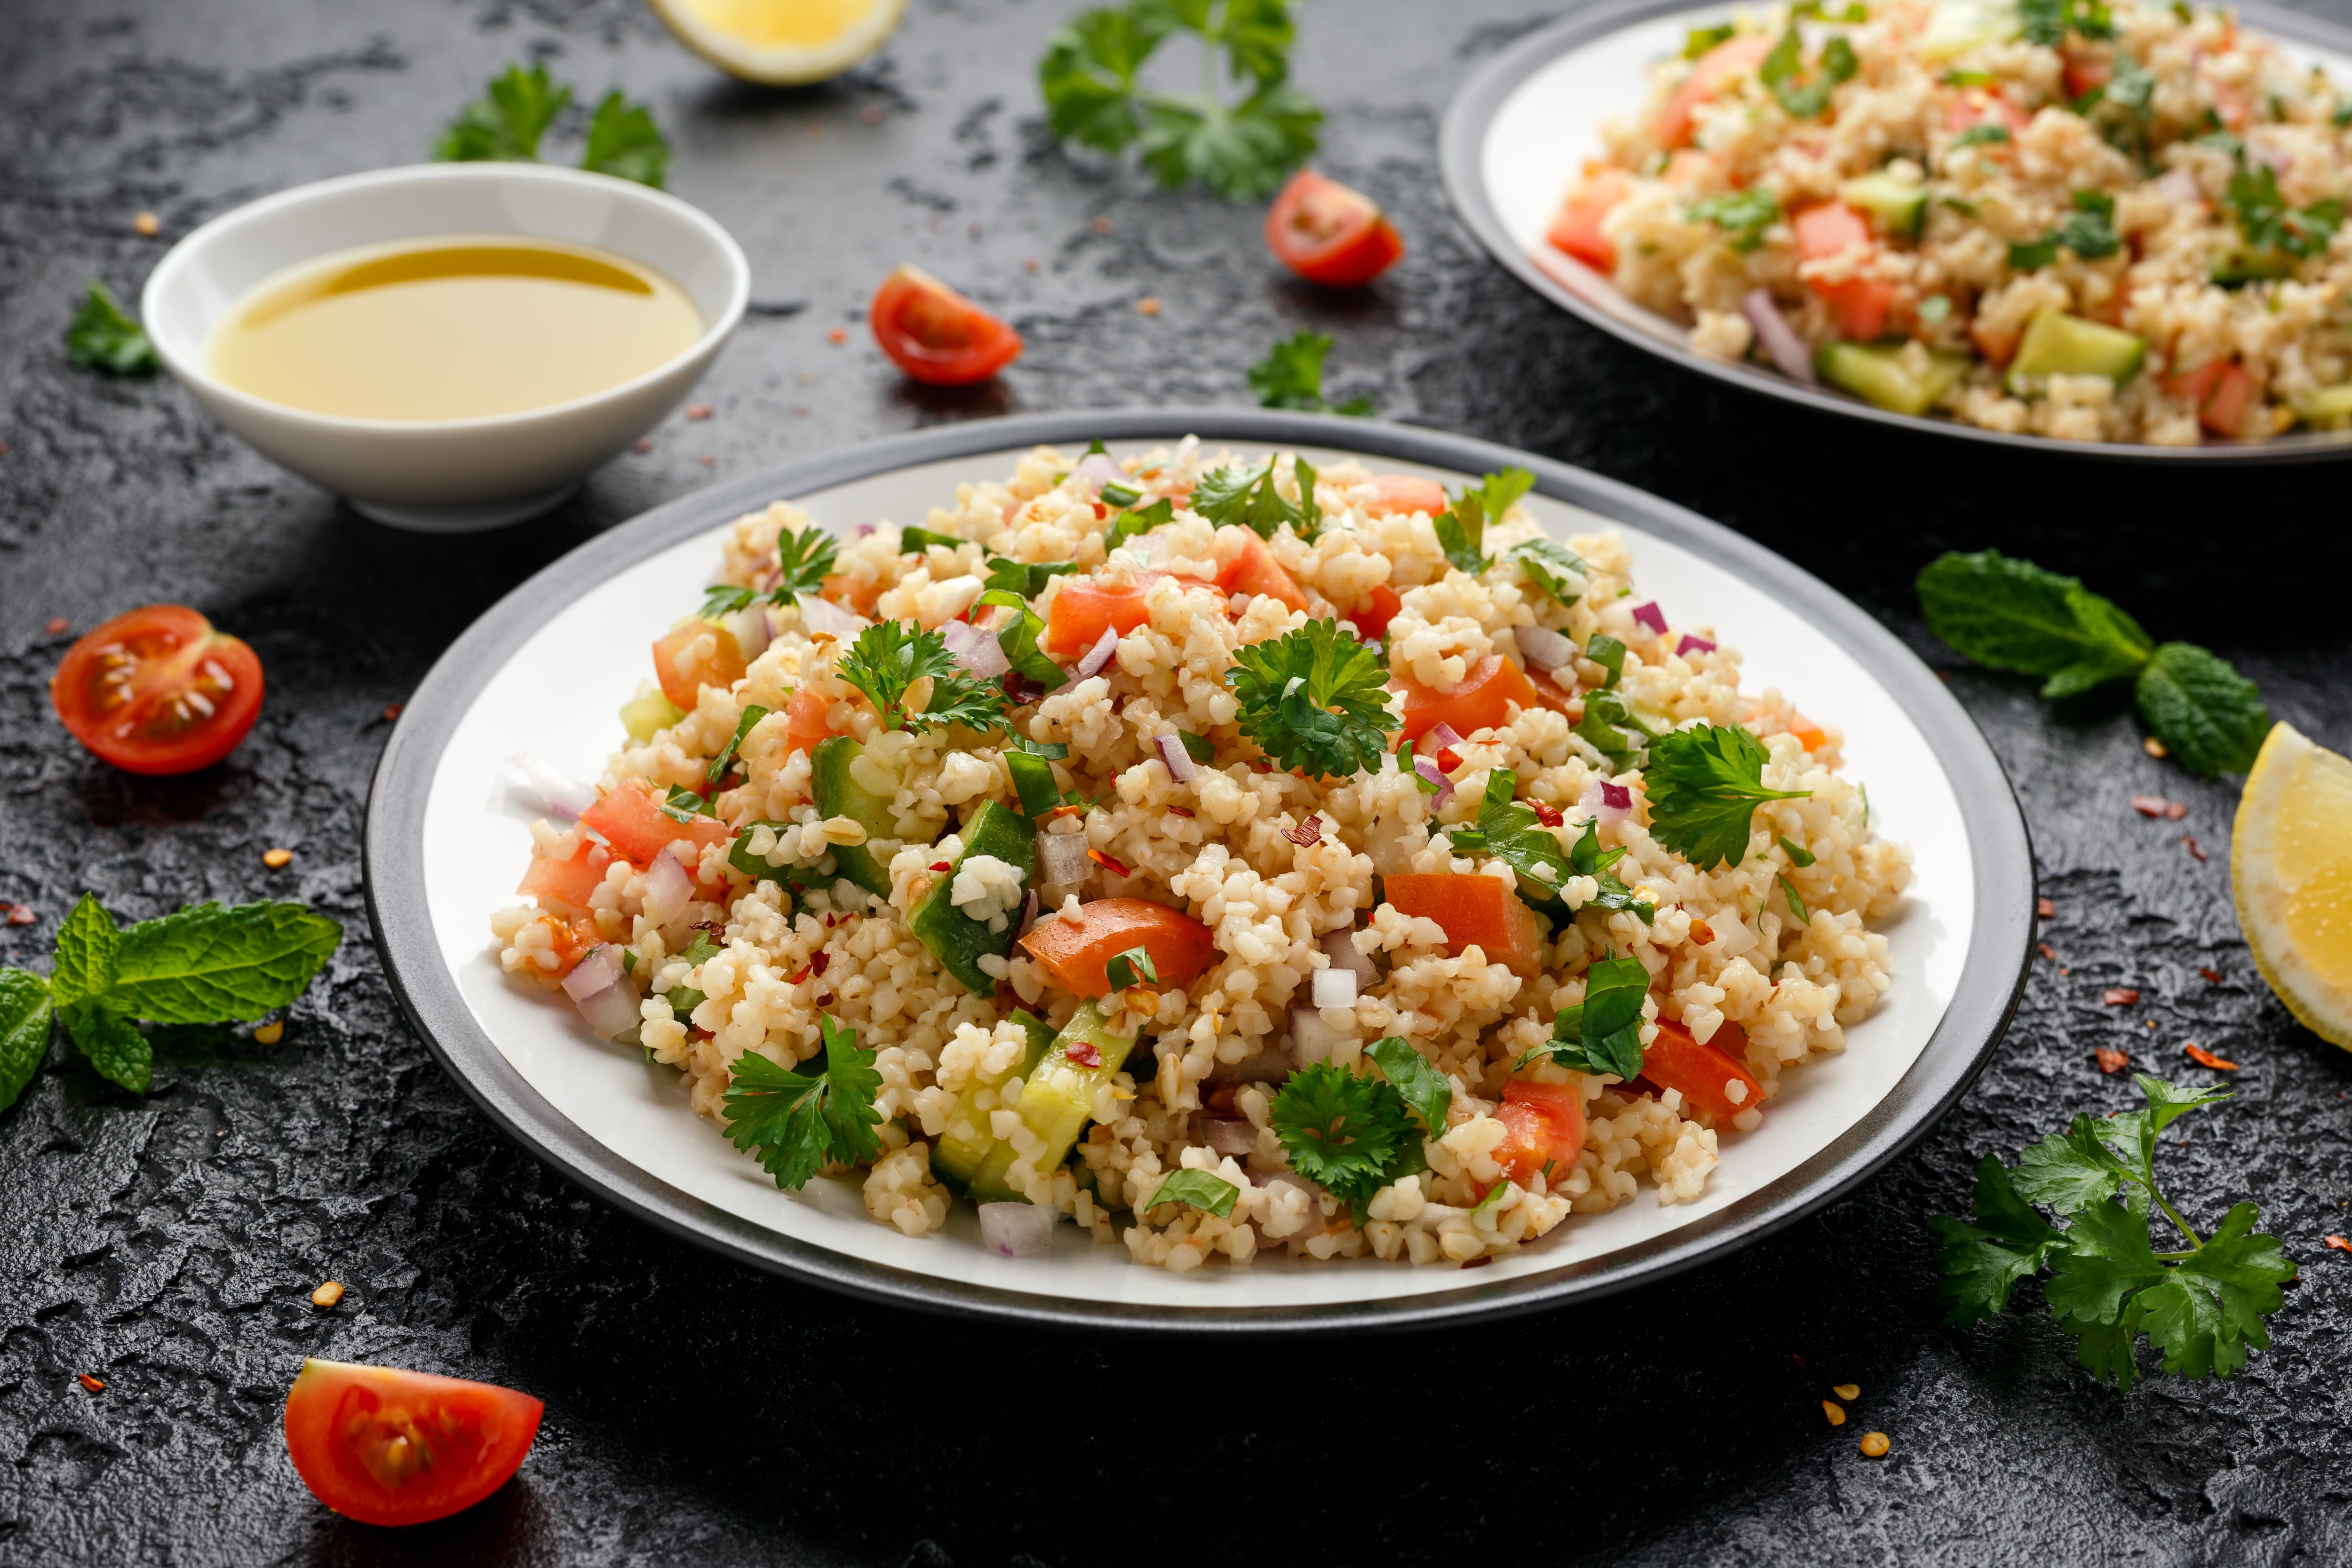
167,1243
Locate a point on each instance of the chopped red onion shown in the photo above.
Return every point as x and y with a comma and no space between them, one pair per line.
1779,338
748,627
1606,802
1311,1039
599,987
2180,188
1690,644
1332,987
979,653
1427,767
1095,470
820,615
1543,648
1099,654
1436,738
1062,859
668,889
1017,1229
864,529
551,791
1266,1067
1028,915
1232,1135
1652,617
1342,948
1180,766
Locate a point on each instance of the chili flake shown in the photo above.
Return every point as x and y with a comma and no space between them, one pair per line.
2045,908
800,977
2340,1244
2047,951
825,1000
1108,864
58,626
2213,976
1476,1262
1448,759
2204,1058
1550,816
21,915
943,865
1701,932
1306,833
2120,997
392,711
1068,811
2110,1060
86,1381
1180,810
817,961
2158,806
2196,851
1085,1053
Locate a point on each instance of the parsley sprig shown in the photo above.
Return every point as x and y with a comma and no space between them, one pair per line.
1742,216
1513,835
2089,231
103,337
2013,615
206,963
2202,1306
1091,79
2274,236
804,561
799,1123
507,124
892,655
1462,527
2047,22
1352,1135
1704,784
1240,496
1805,94
1291,376
1315,699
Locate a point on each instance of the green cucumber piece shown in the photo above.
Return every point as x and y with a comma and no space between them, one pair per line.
1897,206
955,939
838,794
647,712
1057,1101
1875,372
2057,344
2329,408
1033,780
967,1144
1957,27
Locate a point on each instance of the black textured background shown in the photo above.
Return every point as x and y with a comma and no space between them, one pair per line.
698,1412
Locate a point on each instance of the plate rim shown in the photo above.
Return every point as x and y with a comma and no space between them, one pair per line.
1985,999
1461,141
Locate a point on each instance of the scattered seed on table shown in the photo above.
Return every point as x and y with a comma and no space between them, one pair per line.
1835,1412
86,1381
708,461
2196,851
2213,976
838,336
1031,263
58,626
1100,225
697,411
2156,748
21,915
645,444
274,859
1874,1444
1148,305
392,711
2045,908
148,224
2110,1060
2047,951
271,1032
873,114
1847,1390
2120,997
327,1295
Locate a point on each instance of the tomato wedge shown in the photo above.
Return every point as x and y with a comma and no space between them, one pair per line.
1371,618
2223,392
1577,230
693,655
563,887
1710,74
1474,909
1330,234
388,1447
1255,572
1546,1123
1084,608
1401,495
158,691
935,334
1077,952
1708,1076
1481,702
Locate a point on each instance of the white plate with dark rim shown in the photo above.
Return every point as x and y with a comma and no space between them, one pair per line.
1519,129
544,670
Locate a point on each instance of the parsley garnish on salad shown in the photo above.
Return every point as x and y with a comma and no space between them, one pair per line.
891,655
1199,1189
1354,1135
1462,527
1555,568
103,337
1315,698
1246,498
2089,231
2047,22
804,561
1091,73
1704,784
1514,835
2011,614
724,762
1291,376
2201,1306
507,124
1424,1088
1742,216
799,1123
1803,96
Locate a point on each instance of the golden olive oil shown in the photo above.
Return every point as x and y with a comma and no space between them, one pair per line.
455,326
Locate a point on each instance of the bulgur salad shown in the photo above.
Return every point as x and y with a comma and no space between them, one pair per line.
1222,855
2092,221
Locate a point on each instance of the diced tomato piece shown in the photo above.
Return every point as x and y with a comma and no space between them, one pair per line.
2223,392
804,723
1577,230
1255,571
1860,306
2235,108
1545,1122
1401,495
569,941
564,886
1687,167
1084,607
1474,910
385,1446
639,830
695,654
1714,70
2085,72
1826,228
1481,702
1379,607
1809,735
1078,951
1555,696
1999,347
850,593
1984,105
1704,1074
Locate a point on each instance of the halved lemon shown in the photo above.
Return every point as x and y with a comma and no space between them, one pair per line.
782,41
2291,867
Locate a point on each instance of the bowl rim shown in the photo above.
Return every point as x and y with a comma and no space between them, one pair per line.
197,376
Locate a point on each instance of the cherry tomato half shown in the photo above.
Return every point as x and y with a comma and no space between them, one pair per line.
1329,234
935,334
387,1447
158,691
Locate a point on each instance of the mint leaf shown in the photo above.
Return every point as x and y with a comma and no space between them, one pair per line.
210,964
119,1052
1027,580
1703,785
1197,1188
1609,655
1017,637
1603,1033
2207,1311
2071,1171
1514,835
25,1014
2208,716
1980,1263
1423,1087
506,123
625,143
103,337
87,944
1132,968
2012,615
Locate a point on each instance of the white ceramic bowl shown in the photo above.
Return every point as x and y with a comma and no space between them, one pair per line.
454,474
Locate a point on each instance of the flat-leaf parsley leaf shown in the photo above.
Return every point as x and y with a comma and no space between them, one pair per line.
1352,1135
1704,784
1315,699
799,1123
892,655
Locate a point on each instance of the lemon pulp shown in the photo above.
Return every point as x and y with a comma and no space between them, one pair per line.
2291,869
774,22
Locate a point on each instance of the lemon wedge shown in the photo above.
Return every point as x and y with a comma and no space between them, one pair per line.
782,41
2291,867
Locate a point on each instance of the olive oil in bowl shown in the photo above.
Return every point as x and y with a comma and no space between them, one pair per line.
452,326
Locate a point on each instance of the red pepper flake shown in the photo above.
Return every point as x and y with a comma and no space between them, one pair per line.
1308,834
2110,1060
828,922
838,336
697,411
2045,908
2120,997
86,1381
2047,951
1701,932
825,1000
799,978
392,711
2204,1058
2213,976
2196,851
1260,765
1101,511
1180,810
943,865
1795,1357
1550,816
2153,806
1448,759
1108,864
1085,1053
1476,1262
22,915
58,626
2339,1244
817,961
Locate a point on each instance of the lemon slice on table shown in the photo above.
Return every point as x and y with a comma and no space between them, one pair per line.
782,41
2291,867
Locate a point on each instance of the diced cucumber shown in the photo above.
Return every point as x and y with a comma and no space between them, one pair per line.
968,1142
1957,27
650,711
838,794
955,939
2056,344
2329,408
1057,1100
1875,372
1897,206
